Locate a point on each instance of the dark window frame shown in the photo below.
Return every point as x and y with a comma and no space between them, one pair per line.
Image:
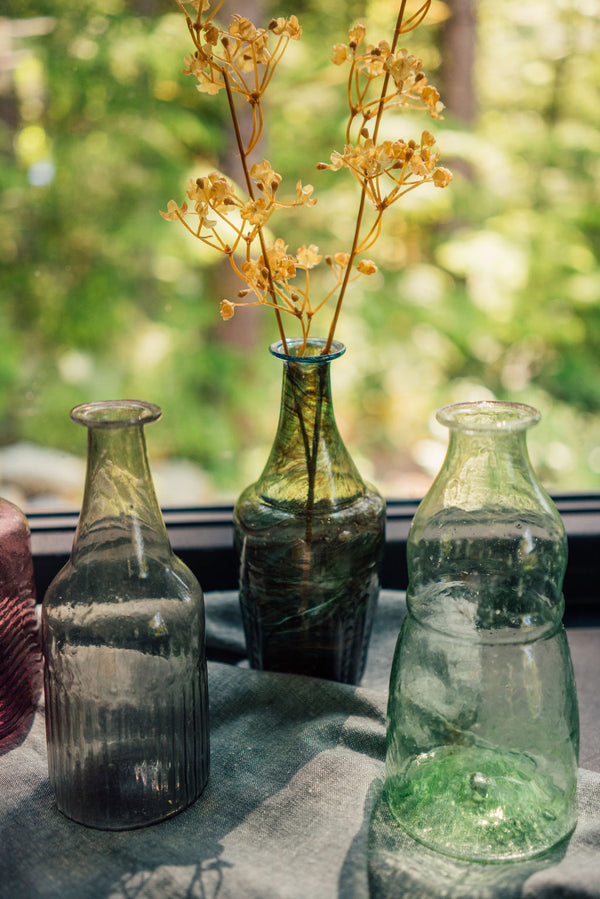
203,538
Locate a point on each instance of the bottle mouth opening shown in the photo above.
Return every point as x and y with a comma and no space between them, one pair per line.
115,413
488,416
314,346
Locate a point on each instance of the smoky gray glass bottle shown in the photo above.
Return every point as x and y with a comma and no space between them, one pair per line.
123,632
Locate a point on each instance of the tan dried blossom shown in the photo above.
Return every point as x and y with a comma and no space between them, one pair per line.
356,36
431,99
418,166
202,210
277,257
255,275
255,212
290,27
213,189
194,65
396,150
211,34
404,68
441,177
265,177
210,85
241,60
227,309
304,195
366,267
308,257
372,62
174,212
339,54
284,268
243,27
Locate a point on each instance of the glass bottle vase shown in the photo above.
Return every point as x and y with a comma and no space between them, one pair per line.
20,648
483,734
123,633
310,536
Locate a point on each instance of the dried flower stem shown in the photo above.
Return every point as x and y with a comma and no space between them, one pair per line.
250,188
363,194
242,59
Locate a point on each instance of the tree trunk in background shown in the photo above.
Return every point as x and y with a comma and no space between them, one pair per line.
458,45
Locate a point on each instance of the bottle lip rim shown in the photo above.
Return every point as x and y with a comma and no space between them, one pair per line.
488,416
115,413
337,349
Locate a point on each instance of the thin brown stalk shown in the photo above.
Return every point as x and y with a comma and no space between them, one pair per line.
371,238
415,20
274,60
250,189
363,193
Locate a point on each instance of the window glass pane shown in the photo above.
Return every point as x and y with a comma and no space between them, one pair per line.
488,288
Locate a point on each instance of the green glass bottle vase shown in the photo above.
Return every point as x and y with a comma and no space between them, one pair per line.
123,633
310,536
483,734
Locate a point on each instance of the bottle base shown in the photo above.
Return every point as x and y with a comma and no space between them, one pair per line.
129,824
481,805
129,790
329,645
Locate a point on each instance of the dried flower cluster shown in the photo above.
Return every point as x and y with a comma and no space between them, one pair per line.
241,60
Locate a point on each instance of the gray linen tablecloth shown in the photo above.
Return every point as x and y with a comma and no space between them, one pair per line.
293,807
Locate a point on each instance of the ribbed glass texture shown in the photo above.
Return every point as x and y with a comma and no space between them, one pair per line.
483,736
20,649
123,631
310,536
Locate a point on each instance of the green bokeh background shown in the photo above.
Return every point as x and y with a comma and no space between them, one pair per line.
490,288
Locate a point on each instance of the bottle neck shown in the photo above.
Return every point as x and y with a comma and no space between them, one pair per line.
487,478
309,462
120,507
306,409
484,468
487,548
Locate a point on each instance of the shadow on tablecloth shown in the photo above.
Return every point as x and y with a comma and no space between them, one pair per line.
291,759
292,809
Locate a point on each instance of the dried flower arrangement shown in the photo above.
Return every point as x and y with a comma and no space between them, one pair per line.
241,60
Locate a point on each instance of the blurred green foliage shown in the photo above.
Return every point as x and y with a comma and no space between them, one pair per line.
488,288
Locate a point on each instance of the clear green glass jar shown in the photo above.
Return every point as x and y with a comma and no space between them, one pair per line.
310,535
483,738
123,633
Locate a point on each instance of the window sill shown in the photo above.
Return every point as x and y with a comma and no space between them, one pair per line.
203,538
